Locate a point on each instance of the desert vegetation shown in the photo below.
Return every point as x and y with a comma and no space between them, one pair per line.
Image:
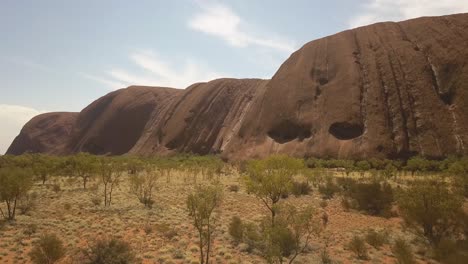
199,209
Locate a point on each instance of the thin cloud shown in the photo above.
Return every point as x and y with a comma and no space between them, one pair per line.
220,21
155,71
109,83
31,64
395,10
13,118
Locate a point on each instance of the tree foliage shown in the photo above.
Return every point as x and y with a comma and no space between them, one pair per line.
271,179
430,206
201,205
14,184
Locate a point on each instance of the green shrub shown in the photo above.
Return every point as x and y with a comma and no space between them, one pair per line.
236,229
278,242
301,188
111,251
433,209
374,198
27,203
49,249
358,247
328,189
376,239
346,184
402,251
251,236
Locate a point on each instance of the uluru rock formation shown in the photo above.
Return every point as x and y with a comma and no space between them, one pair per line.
384,90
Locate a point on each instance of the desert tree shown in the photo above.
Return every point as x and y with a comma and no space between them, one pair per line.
14,184
42,166
84,166
271,179
363,166
432,208
291,234
201,205
109,172
143,184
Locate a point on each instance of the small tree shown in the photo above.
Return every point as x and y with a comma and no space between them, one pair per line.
14,184
142,185
112,251
201,205
84,166
363,166
302,226
110,173
48,250
42,167
431,207
271,179
390,171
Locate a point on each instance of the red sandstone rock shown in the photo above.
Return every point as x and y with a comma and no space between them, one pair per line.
385,90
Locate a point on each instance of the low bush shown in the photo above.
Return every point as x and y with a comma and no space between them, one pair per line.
49,249
236,229
27,203
376,239
374,198
252,236
328,189
402,251
358,247
301,188
30,230
166,230
112,251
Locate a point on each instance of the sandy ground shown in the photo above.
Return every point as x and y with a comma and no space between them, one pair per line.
71,215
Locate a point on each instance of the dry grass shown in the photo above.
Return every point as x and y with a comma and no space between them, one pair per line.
165,234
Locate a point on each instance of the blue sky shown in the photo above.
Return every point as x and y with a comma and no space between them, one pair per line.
60,55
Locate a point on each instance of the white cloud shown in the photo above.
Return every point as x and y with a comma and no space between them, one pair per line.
13,118
220,21
395,10
31,64
109,83
154,71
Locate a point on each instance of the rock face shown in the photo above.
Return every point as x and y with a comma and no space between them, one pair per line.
384,90
45,133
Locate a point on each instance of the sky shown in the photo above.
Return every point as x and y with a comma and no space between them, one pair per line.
60,55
